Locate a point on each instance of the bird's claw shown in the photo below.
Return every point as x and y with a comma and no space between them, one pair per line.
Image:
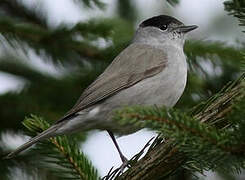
124,164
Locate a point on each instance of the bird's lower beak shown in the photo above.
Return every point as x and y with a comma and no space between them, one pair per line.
186,29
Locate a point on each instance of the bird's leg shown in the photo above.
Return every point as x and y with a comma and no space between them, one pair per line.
123,158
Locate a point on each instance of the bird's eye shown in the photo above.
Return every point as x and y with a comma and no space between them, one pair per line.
163,27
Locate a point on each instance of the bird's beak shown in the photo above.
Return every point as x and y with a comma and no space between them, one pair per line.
185,29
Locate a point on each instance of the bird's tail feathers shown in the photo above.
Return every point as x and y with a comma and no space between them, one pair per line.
45,134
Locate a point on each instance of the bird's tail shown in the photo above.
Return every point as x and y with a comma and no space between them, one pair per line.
45,134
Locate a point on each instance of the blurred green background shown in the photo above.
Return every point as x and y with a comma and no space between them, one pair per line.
50,51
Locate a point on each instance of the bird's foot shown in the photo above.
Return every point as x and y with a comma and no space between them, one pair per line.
113,174
125,163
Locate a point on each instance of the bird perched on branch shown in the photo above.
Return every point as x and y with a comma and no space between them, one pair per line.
152,70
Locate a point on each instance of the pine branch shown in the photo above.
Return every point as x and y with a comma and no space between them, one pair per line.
173,2
29,98
61,155
218,55
192,145
60,43
17,67
236,8
210,50
126,10
228,60
90,3
17,10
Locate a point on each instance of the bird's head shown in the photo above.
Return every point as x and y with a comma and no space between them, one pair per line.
162,29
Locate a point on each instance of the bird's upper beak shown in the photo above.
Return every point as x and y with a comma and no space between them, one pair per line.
185,29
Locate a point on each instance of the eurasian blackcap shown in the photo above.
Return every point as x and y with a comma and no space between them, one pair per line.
152,70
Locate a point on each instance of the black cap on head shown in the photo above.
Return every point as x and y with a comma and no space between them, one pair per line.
160,21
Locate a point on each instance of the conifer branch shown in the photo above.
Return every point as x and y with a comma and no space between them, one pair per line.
217,143
90,3
236,8
16,9
173,2
59,151
55,41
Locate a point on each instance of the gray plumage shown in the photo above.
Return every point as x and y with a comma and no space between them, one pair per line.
122,73
152,70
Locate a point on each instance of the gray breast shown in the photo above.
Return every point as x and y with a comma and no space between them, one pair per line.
164,88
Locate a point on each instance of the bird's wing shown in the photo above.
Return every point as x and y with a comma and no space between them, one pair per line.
135,63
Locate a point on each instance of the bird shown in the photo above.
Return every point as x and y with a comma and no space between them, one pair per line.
150,71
